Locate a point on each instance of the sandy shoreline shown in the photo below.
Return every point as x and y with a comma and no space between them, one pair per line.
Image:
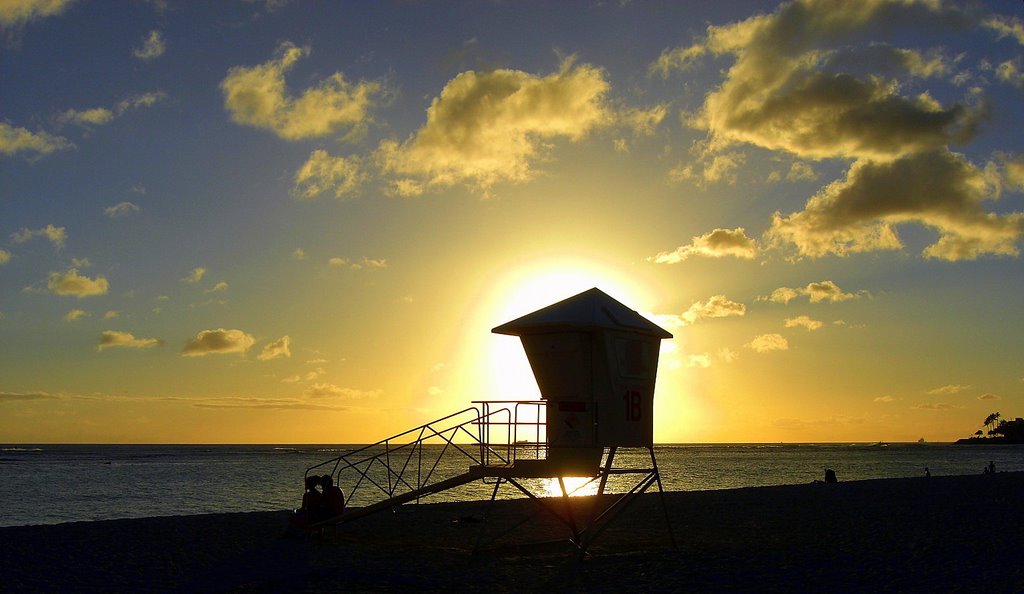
936,534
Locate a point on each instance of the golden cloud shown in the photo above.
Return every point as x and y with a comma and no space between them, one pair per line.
114,338
803,322
17,140
948,389
121,209
715,244
716,306
72,283
56,235
195,276
279,348
220,341
257,96
938,189
786,89
330,390
489,127
18,12
322,174
768,342
1006,27
816,292
152,47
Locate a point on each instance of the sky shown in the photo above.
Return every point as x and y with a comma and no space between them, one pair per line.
297,222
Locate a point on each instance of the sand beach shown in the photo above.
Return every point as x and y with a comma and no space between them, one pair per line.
935,534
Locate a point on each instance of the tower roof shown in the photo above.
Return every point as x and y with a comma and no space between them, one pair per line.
592,308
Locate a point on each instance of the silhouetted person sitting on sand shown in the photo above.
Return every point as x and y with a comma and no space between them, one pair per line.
333,503
830,476
312,500
991,467
927,473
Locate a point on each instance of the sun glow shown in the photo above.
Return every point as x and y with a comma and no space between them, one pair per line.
575,486
503,372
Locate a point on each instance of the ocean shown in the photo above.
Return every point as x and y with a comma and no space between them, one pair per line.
50,484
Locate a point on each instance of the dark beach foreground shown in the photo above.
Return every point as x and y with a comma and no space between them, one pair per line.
919,534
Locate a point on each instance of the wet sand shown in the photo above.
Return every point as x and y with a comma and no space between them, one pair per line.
913,535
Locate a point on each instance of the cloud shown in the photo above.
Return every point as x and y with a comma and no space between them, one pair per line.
218,341
490,127
19,140
19,12
1010,72
332,391
803,322
218,288
948,389
768,342
121,209
883,399
1006,27
143,100
75,314
5,256
257,96
787,90
801,171
195,276
936,406
643,122
111,315
989,396
72,283
710,166
56,235
816,293
113,338
715,244
717,306
805,81
938,189
279,348
267,404
99,116
339,262
96,116
299,254
323,174
1013,171
26,396
152,47
702,361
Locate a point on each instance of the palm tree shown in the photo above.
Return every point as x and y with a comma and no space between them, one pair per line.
990,420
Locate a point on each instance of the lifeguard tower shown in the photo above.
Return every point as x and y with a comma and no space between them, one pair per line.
595,361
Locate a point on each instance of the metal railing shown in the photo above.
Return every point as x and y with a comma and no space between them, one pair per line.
526,429
401,464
